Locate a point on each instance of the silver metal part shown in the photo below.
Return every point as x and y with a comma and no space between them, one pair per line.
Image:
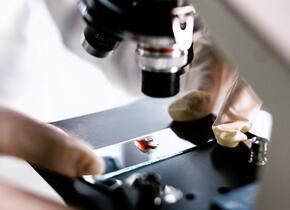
116,184
171,194
157,42
182,26
160,55
165,54
87,46
259,151
167,193
131,179
89,178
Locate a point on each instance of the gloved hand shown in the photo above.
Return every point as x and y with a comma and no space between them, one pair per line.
206,82
209,80
237,115
47,146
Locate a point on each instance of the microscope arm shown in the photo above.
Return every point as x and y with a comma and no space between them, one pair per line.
269,75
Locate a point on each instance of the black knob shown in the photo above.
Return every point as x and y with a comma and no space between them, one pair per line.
149,189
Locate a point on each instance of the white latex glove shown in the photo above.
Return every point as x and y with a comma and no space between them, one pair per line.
207,80
237,115
44,145
231,134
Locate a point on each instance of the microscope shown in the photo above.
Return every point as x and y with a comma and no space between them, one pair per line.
163,31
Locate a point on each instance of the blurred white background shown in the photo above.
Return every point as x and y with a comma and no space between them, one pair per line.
45,73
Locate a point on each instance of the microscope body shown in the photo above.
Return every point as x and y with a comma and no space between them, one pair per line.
163,32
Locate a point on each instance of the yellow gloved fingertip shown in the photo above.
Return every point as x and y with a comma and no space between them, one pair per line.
193,106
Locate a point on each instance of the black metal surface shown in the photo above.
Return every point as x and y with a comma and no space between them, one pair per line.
116,125
201,174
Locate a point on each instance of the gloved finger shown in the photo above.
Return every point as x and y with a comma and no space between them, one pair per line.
237,115
46,145
242,103
17,199
231,134
193,105
206,80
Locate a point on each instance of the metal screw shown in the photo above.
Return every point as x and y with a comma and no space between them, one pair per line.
259,151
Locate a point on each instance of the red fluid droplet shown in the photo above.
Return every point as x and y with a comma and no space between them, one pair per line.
145,145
